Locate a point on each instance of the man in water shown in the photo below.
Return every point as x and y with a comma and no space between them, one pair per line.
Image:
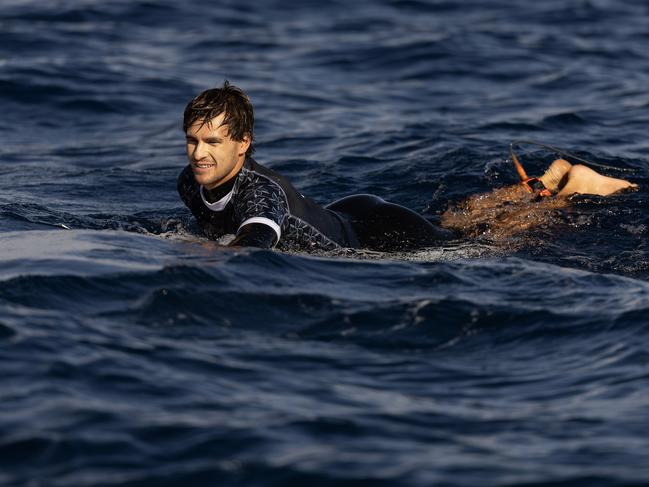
230,193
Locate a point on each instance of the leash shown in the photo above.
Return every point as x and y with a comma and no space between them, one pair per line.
567,154
530,184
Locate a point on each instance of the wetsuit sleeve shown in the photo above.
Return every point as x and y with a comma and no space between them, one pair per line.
263,203
255,235
187,187
210,222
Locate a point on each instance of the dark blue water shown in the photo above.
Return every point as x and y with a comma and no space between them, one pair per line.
135,352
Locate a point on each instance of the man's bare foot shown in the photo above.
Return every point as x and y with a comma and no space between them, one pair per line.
553,176
583,180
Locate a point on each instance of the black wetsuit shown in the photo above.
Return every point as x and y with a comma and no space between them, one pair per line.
263,209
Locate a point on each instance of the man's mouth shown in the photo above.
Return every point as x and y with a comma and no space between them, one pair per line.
203,165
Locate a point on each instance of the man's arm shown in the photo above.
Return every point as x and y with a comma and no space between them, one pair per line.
255,235
260,208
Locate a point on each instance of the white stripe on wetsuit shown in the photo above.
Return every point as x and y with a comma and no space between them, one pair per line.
263,221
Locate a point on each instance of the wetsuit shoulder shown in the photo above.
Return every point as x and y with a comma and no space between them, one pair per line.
259,200
306,224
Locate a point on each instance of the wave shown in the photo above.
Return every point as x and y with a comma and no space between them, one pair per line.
386,303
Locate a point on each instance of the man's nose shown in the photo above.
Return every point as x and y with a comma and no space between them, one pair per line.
200,151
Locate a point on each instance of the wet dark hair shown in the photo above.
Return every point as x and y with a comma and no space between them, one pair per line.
239,115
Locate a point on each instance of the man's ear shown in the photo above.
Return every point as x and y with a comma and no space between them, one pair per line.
245,144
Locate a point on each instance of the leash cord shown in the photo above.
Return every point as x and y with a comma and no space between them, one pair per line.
564,153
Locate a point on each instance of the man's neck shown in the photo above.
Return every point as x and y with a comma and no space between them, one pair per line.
218,192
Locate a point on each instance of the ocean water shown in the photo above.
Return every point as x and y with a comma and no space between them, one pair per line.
135,352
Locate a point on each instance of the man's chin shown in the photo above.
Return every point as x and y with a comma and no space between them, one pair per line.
205,179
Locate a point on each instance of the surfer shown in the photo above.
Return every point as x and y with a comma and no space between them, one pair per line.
228,192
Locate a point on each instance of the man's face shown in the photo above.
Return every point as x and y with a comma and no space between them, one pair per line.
214,156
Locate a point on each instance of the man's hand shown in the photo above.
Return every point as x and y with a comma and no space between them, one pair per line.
255,235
